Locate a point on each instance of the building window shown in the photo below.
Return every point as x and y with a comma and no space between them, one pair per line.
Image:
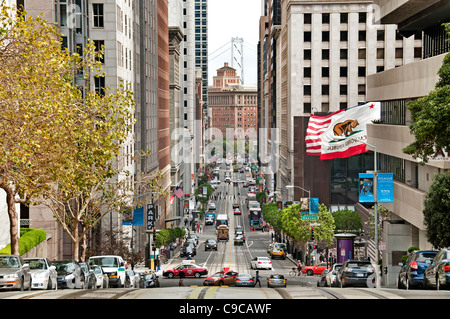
361,89
307,18
343,71
380,53
325,54
306,107
307,72
307,36
307,54
393,112
436,41
362,71
325,36
392,164
99,83
344,17
361,53
325,72
361,35
326,18
344,54
325,90
99,45
343,89
362,17
307,90
97,9
344,35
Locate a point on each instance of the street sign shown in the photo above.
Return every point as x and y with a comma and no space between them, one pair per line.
310,217
150,216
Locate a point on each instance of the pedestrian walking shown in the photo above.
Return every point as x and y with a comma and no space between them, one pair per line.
181,282
257,279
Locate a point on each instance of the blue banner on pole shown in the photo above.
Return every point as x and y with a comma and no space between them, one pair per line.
366,188
385,187
138,216
314,205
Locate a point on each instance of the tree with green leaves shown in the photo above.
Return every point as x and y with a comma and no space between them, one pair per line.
299,229
436,212
36,91
348,221
430,117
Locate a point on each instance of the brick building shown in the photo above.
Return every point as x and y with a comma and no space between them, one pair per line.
232,106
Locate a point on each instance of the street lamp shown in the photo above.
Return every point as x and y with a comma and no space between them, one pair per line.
305,190
375,196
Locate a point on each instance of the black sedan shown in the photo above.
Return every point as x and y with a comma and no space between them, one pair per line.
210,244
412,272
151,280
356,273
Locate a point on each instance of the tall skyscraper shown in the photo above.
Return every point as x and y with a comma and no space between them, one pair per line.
201,43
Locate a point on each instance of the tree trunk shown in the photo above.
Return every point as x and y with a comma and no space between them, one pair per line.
83,246
13,219
76,242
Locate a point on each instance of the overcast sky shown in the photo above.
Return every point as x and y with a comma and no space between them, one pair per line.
233,19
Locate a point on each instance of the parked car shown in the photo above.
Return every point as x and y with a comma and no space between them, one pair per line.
90,281
113,266
356,273
331,275
437,275
261,262
210,244
194,238
188,269
101,278
276,280
317,269
70,274
14,273
244,280
412,271
134,278
43,274
221,278
322,281
151,280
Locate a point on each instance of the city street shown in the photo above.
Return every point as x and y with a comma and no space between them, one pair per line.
236,258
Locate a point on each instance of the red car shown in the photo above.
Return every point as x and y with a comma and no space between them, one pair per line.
237,211
316,269
221,278
190,270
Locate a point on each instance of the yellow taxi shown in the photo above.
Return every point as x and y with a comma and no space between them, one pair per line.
278,250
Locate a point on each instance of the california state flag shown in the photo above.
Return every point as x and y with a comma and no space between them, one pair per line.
341,134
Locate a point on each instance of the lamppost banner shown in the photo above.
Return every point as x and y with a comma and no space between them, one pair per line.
385,187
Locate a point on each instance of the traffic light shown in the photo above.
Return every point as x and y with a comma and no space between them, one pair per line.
312,233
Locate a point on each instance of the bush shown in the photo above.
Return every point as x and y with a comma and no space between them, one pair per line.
29,238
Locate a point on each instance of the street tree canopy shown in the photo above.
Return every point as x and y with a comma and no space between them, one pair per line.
437,206
430,117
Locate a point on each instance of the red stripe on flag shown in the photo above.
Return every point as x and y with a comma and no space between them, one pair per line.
354,150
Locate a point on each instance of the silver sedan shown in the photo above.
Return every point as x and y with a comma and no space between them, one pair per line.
14,273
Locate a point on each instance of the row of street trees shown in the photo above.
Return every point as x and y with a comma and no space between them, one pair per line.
59,148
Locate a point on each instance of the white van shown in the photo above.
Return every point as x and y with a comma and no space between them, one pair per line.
113,266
